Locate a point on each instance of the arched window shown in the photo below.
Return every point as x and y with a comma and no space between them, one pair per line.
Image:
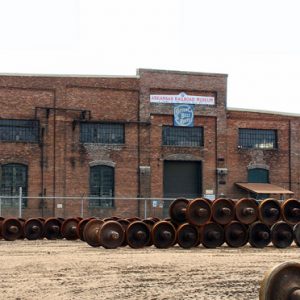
101,185
12,177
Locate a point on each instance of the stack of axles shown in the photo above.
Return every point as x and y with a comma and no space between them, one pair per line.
236,222
190,223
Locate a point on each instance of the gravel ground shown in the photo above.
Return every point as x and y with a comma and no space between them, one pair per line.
74,270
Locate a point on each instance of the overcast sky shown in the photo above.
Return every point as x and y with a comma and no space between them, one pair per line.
255,42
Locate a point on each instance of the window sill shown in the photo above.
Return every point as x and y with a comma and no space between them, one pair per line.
19,142
179,146
264,149
101,207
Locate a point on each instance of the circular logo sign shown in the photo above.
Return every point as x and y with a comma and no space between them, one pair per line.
184,115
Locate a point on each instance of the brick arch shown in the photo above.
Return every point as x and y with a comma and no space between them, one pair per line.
20,161
181,156
258,166
107,163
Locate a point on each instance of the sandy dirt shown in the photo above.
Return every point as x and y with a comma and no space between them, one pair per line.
74,270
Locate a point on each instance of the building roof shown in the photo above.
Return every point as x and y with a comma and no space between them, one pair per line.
270,112
138,71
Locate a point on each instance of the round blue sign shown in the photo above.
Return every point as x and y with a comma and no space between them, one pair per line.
184,115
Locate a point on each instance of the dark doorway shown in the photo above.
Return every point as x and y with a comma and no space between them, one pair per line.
182,179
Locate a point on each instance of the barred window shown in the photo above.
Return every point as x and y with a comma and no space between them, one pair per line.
101,186
183,136
19,130
102,133
12,177
257,138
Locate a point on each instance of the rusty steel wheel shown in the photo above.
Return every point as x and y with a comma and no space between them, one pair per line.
223,211
69,229
296,231
150,222
259,235
281,235
281,282
124,224
163,234
269,211
33,229
113,218
91,233
11,229
236,234
52,229
212,235
177,210
246,210
1,220
198,211
80,227
187,236
111,235
138,234
22,221
290,210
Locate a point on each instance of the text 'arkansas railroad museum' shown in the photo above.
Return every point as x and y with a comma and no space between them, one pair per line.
158,134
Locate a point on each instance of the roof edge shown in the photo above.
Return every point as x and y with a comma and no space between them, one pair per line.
138,71
270,112
66,75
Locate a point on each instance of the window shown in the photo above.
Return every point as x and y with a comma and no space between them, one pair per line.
19,130
101,186
12,177
183,136
257,139
102,133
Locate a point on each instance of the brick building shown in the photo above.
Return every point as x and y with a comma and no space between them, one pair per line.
111,136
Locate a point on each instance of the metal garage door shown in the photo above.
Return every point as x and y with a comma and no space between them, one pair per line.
182,179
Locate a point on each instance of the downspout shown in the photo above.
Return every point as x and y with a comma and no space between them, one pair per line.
54,153
139,157
42,168
290,158
216,156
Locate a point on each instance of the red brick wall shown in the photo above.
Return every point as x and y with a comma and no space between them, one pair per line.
139,162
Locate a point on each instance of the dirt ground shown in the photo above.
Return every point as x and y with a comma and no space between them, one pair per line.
74,270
